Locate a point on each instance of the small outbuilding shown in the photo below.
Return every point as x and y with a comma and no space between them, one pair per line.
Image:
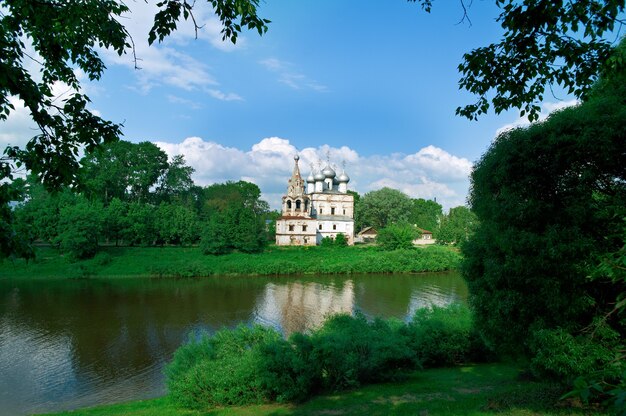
366,235
425,238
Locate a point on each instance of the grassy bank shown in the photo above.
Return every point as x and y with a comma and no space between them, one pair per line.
118,262
468,390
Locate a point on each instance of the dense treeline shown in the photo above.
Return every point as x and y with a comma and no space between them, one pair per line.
129,194
397,215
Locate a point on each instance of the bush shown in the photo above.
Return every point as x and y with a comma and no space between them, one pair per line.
351,351
221,370
253,365
396,236
563,357
288,371
445,336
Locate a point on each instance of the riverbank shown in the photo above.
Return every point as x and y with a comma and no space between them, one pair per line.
469,390
124,262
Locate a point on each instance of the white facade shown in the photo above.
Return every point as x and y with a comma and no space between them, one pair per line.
323,209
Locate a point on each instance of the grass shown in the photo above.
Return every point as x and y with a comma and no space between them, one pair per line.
469,390
120,262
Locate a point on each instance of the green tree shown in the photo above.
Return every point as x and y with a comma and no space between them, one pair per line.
80,225
114,220
551,201
68,35
397,236
456,227
177,224
141,225
425,213
176,183
215,236
122,170
545,43
382,207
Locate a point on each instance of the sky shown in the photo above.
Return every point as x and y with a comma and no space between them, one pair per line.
371,84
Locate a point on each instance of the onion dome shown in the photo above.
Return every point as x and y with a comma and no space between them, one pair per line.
319,176
344,178
310,178
329,172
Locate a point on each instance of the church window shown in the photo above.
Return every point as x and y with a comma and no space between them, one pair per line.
289,204
306,205
304,228
291,228
320,226
344,212
321,210
334,226
332,211
298,204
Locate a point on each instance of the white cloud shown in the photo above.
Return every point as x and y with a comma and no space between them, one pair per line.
288,75
164,63
18,128
546,109
429,173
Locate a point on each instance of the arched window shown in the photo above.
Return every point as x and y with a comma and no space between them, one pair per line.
306,206
288,204
298,204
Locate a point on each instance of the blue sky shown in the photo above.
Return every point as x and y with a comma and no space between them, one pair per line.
373,82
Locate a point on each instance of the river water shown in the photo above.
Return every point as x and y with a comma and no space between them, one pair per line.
76,343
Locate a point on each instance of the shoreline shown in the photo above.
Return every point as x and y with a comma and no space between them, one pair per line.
189,262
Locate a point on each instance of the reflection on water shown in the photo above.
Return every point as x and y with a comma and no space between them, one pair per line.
69,344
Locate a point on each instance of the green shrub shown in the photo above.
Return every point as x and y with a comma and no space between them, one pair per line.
221,370
444,336
396,236
351,351
254,365
287,370
561,356
102,259
341,240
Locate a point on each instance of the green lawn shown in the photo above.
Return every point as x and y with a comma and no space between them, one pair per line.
470,390
119,262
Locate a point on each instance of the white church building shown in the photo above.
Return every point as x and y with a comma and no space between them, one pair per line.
321,207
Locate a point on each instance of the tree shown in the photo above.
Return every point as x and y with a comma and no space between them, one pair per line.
541,266
236,218
66,35
397,236
80,225
545,43
123,170
457,226
177,224
176,182
235,228
382,207
425,213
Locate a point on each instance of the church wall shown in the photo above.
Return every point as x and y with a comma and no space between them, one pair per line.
291,232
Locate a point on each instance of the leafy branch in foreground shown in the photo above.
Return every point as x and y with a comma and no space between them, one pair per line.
545,44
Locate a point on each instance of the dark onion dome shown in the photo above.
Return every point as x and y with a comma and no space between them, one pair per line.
329,172
344,178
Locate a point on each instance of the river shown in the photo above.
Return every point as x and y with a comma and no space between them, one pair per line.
67,344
